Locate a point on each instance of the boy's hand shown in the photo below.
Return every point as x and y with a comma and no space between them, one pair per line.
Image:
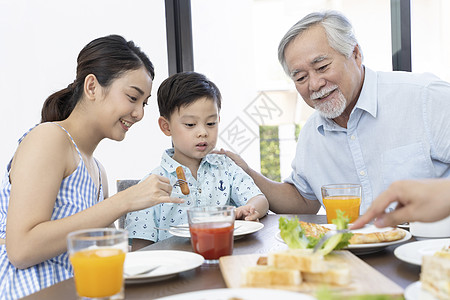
247,212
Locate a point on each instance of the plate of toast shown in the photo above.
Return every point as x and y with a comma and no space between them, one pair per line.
368,239
302,271
434,275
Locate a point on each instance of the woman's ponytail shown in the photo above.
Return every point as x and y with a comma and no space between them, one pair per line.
59,105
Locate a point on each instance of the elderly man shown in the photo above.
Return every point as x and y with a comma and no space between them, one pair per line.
369,127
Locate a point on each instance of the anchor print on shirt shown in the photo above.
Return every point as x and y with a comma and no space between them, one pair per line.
221,187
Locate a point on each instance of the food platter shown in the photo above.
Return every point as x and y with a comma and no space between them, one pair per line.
361,249
364,278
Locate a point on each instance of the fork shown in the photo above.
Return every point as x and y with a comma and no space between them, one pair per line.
148,270
177,183
327,236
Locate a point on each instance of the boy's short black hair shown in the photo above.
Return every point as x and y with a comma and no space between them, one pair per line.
184,88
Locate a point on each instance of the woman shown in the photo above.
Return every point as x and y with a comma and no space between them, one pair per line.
54,185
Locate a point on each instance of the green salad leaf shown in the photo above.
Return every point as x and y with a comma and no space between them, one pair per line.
294,236
340,240
292,233
325,294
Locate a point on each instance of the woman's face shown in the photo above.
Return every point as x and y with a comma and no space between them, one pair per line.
124,102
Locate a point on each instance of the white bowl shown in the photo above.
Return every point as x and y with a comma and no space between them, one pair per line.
439,229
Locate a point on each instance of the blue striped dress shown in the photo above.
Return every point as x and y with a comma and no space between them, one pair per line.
77,192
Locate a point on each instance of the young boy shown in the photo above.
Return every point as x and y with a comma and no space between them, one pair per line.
189,105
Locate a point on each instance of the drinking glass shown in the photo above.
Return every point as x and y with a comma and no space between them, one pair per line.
346,197
211,229
97,256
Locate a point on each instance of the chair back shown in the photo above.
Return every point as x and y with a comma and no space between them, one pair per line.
123,184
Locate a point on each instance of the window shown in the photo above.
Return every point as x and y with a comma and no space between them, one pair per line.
430,44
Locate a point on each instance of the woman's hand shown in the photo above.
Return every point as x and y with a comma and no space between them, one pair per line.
151,191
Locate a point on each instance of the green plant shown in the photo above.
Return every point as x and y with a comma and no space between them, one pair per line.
270,152
297,131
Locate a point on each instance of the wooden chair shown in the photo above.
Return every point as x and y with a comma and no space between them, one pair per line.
121,185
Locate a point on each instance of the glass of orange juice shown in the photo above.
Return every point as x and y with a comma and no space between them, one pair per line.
346,197
97,256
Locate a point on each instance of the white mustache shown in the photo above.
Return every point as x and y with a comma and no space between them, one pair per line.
321,93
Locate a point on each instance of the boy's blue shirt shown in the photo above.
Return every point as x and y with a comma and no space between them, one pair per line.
219,182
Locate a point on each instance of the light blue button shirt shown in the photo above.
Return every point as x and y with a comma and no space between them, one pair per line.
219,182
398,129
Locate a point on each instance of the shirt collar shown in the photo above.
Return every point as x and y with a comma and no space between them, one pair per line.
367,101
170,165
167,162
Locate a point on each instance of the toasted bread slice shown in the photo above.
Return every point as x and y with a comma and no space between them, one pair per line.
317,230
313,229
337,273
298,259
264,276
444,252
377,237
435,276
262,261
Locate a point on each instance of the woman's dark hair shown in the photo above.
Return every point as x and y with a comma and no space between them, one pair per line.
107,58
184,88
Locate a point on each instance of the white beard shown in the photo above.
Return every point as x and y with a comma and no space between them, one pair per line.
331,108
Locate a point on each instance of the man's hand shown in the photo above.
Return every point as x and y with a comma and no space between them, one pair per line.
235,157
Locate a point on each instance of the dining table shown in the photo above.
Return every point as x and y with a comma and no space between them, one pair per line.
208,276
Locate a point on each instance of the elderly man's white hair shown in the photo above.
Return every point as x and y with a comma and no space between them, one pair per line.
338,28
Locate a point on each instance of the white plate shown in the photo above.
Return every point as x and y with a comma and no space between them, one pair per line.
414,291
239,293
241,228
171,263
365,248
412,252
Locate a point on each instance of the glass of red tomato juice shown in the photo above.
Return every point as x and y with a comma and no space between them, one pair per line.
211,229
